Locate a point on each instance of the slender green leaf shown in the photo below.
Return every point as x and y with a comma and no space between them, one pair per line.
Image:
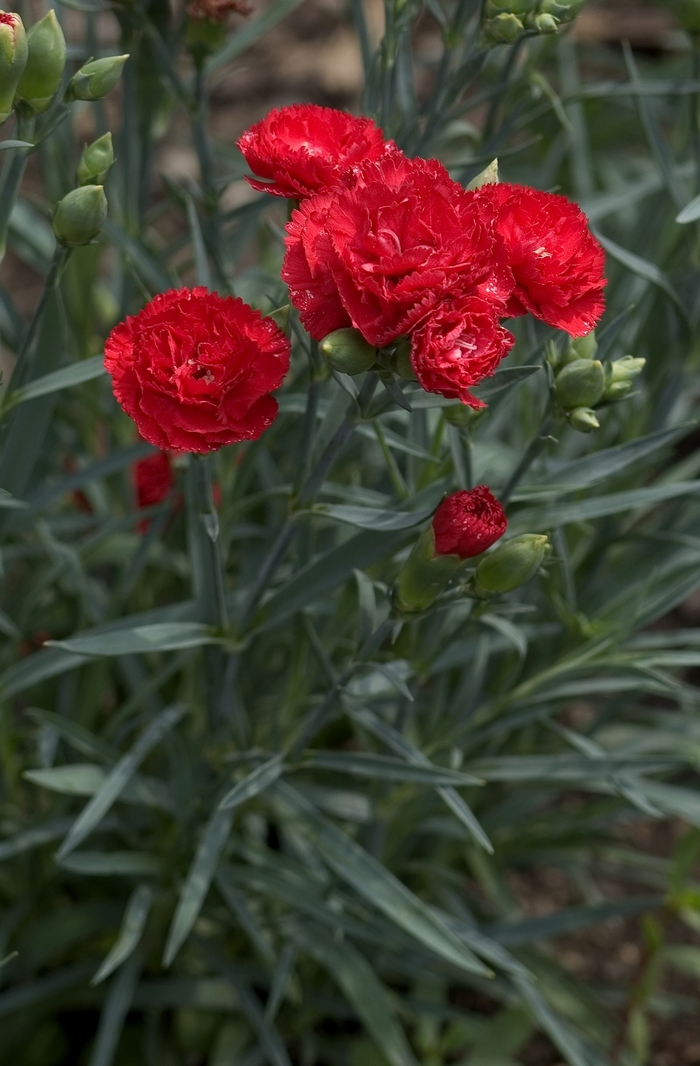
118,778
132,927
67,377
256,781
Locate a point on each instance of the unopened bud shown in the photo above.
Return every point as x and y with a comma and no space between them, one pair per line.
545,23
96,78
80,215
511,564
45,63
503,29
95,161
561,10
583,419
424,575
13,58
620,375
584,347
347,351
580,384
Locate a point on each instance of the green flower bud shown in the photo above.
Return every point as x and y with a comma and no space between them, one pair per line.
80,215
583,419
584,347
402,360
96,78
580,384
95,161
619,377
347,351
545,24
503,29
511,564
13,58
424,575
47,59
561,10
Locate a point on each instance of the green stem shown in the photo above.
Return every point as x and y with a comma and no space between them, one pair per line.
12,174
308,490
203,534
202,143
533,449
22,369
695,112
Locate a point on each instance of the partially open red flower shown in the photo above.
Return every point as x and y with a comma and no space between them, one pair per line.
468,522
384,248
556,261
459,345
302,149
217,10
195,370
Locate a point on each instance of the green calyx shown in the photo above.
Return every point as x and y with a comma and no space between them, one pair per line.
580,384
583,419
96,160
80,215
203,37
424,575
511,564
13,59
619,377
45,64
347,351
96,78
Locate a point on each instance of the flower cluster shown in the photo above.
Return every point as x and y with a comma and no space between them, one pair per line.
394,248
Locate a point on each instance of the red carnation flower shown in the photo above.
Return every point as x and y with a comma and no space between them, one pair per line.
392,241
556,261
458,346
305,148
195,370
467,523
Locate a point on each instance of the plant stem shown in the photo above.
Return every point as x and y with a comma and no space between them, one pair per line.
205,556
202,143
533,449
308,490
695,111
22,369
12,174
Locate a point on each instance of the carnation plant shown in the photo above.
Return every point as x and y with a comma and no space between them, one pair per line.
342,536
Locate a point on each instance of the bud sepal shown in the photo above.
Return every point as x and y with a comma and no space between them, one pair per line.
46,61
13,59
580,383
96,160
80,215
424,575
511,564
347,351
96,78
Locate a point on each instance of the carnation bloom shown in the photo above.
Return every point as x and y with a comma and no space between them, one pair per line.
386,246
305,148
195,370
556,261
459,345
217,10
468,522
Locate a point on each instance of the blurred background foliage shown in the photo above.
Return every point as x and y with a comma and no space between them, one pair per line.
469,840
